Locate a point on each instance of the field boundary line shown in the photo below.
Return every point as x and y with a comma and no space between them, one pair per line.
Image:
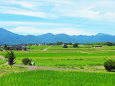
46,48
47,68
4,59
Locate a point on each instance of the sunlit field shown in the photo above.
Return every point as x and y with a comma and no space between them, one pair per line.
2,61
84,57
58,78
6,70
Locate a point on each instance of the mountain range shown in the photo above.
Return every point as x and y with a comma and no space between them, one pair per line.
7,37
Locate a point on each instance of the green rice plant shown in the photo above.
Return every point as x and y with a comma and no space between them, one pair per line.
56,56
58,78
2,61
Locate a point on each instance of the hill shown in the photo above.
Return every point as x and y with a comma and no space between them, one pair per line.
7,37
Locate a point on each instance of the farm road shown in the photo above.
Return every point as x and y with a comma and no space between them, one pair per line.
46,48
3,59
52,68
46,68
37,67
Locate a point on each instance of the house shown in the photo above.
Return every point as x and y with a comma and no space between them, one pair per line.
18,47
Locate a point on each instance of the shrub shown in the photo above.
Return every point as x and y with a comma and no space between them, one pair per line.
75,45
65,46
109,43
5,47
26,61
109,65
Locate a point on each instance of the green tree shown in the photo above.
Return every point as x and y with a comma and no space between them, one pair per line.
109,65
75,45
65,46
59,43
70,43
26,61
109,43
5,47
10,58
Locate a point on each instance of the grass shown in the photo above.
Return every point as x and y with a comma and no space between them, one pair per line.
34,48
2,61
83,57
70,47
58,78
6,69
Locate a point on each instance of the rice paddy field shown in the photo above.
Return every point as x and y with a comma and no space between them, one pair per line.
58,78
85,57
86,60
2,61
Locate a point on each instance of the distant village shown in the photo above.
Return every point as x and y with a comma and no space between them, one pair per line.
13,47
26,47
21,47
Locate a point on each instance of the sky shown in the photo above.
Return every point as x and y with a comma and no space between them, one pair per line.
72,17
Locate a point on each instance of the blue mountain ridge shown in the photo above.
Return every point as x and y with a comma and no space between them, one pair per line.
7,37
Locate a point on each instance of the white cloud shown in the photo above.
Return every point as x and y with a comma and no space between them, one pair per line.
33,28
58,2
22,23
103,10
34,13
11,10
37,31
99,10
89,12
94,10
82,14
26,13
23,3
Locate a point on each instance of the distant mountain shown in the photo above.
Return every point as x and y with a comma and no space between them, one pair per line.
102,34
7,37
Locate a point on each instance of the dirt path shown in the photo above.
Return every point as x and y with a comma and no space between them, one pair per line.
3,59
46,48
37,67
46,68
52,68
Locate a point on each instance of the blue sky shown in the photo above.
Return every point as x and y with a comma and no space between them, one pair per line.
73,17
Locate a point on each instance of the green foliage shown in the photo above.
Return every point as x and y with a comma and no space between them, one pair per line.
109,43
65,46
26,61
5,47
58,78
75,45
10,57
7,55
2,61
109,65
59,43
56,56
